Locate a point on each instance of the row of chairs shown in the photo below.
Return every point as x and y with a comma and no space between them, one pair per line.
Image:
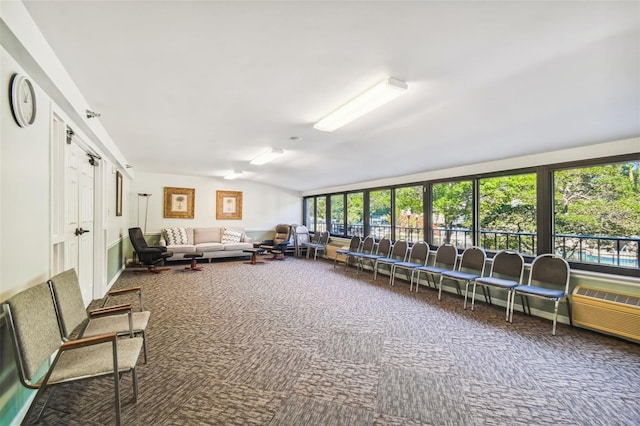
548,279
48,323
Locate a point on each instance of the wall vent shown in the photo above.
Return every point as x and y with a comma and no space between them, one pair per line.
609,311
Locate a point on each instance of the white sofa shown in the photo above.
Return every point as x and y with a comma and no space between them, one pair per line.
213,242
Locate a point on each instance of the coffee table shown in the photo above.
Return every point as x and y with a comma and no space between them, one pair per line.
254,251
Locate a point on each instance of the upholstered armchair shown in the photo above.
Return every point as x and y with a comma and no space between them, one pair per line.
149,256
280,242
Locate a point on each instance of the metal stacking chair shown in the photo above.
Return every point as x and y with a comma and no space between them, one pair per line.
320,246
383,249
506,273
72,315
549,279
37,342
367,248
417,257
398,254
446,258
354,246
301,239
471,266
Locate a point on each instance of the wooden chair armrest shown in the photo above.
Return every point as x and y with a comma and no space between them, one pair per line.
87,341
124,291
111,310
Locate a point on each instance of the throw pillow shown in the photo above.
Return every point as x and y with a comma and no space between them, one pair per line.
231,235
176,236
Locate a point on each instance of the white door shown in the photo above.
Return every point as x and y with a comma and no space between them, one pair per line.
79,199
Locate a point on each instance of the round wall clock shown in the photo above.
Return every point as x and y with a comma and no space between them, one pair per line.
23,100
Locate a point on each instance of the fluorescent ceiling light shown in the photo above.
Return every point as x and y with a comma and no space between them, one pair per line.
267,156
233,175
378,95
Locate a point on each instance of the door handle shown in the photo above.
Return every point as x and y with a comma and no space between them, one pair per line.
80,231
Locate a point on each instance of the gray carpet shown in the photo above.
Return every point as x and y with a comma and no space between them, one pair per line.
296,342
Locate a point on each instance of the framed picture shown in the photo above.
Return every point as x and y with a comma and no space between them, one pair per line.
228,205
179,202
118,193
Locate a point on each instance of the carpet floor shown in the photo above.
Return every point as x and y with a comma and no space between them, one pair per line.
297,342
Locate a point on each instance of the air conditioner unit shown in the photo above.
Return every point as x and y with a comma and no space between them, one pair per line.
607,310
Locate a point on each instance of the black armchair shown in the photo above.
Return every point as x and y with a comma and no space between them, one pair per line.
149,256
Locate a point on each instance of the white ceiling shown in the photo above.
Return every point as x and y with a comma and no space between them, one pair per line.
201,88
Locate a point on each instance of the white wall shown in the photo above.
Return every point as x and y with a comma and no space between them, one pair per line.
263,206
24,191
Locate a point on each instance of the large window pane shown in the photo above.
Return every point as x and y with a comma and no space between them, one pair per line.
337,214
453,213
355,214
597,214
380,213
310,214
508,213
321,214
409,213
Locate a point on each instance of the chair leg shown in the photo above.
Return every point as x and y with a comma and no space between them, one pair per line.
44,405
466,292
440,288
473,296
569,310
134,378
555,316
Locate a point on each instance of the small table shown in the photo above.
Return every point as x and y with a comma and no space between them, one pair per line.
194,263
254,252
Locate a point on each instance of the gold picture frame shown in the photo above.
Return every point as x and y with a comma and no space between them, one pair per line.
179,202
118,193
228,205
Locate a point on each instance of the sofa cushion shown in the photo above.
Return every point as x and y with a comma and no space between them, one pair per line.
237,246
206,235
206,247
231,235
176,236
182,248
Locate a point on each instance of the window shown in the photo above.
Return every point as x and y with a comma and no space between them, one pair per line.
355,214
321,214
452,204
597,214
380,213
337,214
508,213
409,215
310,213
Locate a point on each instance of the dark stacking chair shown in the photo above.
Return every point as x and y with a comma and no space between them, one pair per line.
398,254
506,273
354,247
320,246
37,341
471,267
149,256
280,242
73,316
383,249
368,247
418,256
446,257
548,279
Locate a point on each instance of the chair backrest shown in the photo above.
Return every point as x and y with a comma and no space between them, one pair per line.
446,256
399,250
283,234
69,304
419,253
384,247
34,329
507,263
368,245
354,244
473,260
324,238
137,239
549,269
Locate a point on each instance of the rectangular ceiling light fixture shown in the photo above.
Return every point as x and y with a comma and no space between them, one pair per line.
267,156
378,95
